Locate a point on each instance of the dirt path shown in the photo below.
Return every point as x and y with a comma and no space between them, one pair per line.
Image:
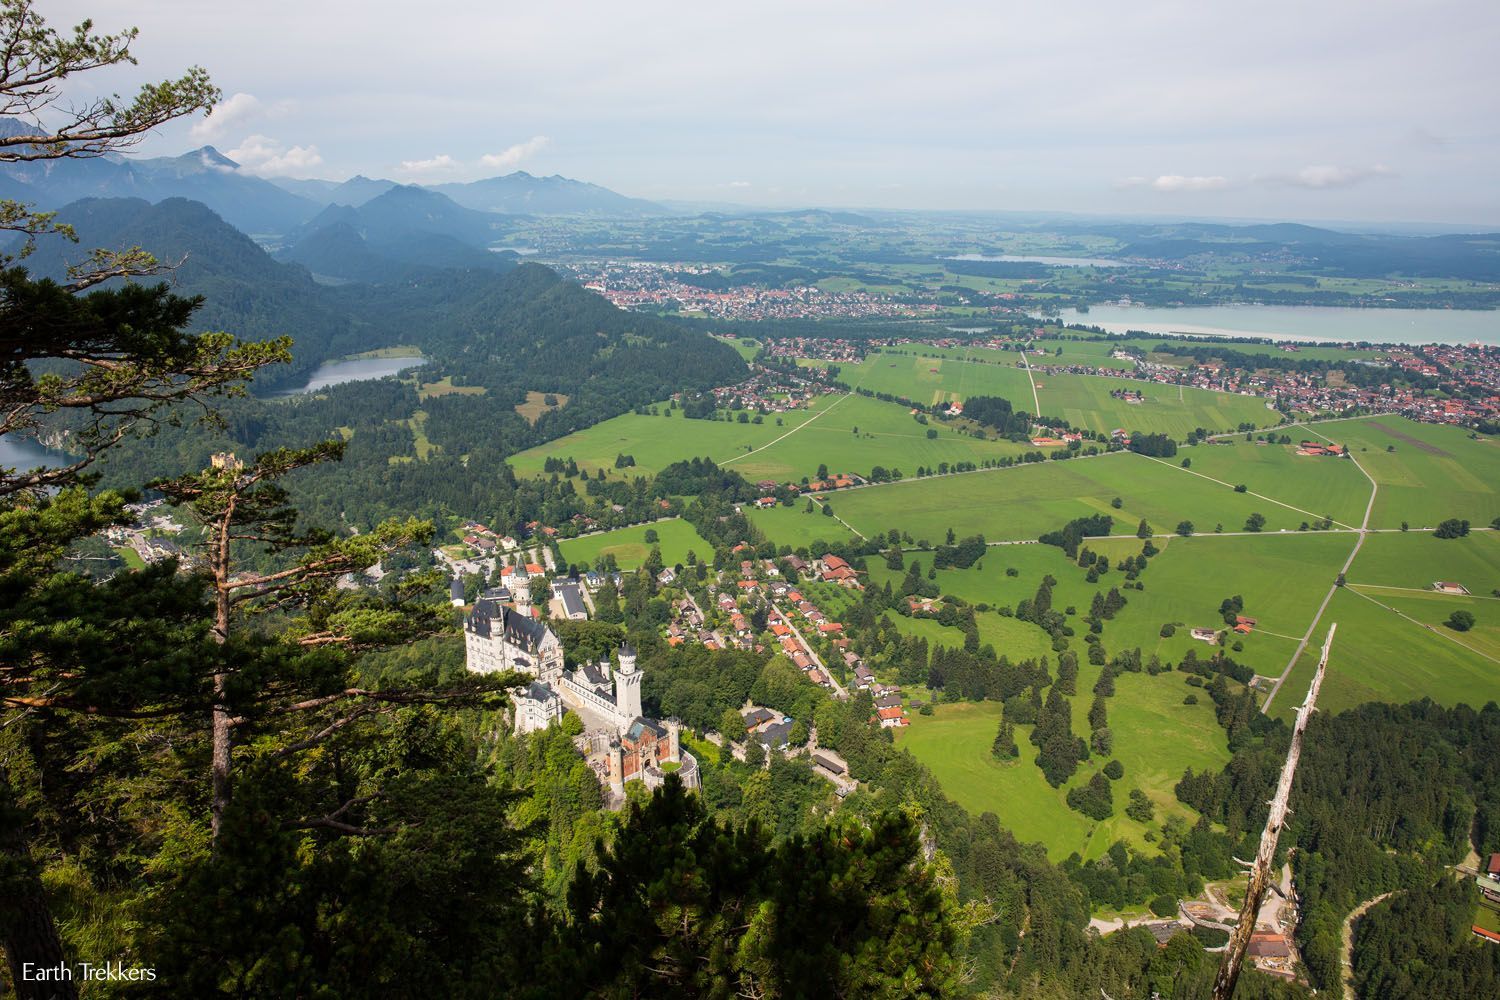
789,433
1035,399
1347,935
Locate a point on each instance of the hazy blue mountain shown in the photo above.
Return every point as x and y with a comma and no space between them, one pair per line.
245,291
338,250
522,194
384,238
408,209
249,203
355,191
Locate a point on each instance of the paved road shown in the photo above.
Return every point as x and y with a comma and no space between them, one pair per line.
838,689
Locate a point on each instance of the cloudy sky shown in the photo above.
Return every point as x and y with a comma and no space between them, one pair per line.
1334,109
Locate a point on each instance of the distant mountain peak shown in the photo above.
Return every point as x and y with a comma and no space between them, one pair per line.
521,193
208,158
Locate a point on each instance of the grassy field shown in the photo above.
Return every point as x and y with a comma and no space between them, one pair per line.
1281,578
1434,472
1416,559
1026,501
445,387
536,404
630,548
1157,737
1082,400
1305,352
795,527
856,433
1321,485
657,442
1380,656
1016,639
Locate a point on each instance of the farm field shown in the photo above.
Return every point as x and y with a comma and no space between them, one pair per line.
1157,737
1434,472
1011,637
1281,578
630,548
1025,501
794,526
1320,485
1380,656
1416,559
1082,400
857,433
657,442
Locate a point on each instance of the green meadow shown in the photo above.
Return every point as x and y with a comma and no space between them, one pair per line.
1026,501
1380,656
1011,637
855,433
1082,400
656,442
1281,578
1426,472
1157,737
1321,485
630,548
1415,560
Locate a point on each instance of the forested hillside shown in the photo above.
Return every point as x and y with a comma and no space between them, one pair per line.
243,289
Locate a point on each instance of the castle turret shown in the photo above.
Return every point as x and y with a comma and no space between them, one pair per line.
627,685
616,768
674,739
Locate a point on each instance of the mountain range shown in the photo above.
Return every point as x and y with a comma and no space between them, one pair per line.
481,311
266,208
387,237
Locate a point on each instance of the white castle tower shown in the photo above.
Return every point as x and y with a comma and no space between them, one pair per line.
627,685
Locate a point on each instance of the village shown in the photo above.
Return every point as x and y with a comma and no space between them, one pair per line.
649,285
749,607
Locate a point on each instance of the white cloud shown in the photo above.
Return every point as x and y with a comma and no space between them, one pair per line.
265,156
508,159
442,163
228,113
1321,176
1177,182
1171,183
738,184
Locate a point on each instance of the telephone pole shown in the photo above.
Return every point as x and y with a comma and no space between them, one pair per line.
1260,872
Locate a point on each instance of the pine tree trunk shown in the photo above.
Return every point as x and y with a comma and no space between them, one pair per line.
25,919
219,564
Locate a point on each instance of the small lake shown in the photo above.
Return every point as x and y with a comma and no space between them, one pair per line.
1338,324
331,373
1053,261
24,454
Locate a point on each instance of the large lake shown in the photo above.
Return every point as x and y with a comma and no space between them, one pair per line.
353,370
1330,323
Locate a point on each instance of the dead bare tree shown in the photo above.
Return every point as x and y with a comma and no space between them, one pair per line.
1260,871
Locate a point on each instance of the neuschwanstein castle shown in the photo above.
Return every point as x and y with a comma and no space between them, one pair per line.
502,638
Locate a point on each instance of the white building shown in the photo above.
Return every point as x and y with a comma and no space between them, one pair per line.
614,694
502,639
537,706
